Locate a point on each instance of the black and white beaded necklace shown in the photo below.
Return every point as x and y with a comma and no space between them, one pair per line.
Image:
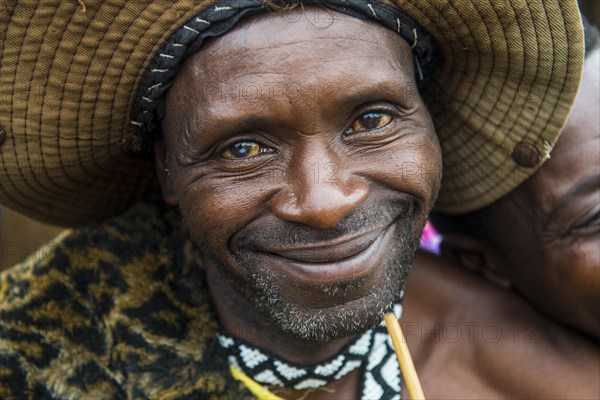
371,351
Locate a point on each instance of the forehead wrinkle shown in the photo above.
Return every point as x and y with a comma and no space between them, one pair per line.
344,42
377,86
249,36
281,23
400,71
255,48
376,63
276,56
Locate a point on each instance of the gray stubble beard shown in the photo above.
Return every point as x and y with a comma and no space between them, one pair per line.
337,322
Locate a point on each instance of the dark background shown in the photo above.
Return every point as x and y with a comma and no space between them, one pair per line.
591,9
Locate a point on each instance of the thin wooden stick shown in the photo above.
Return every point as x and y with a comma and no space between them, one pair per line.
406,364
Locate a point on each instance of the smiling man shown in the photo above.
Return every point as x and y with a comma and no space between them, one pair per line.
293,195
248,190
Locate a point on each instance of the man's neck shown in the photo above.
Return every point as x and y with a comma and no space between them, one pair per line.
240,319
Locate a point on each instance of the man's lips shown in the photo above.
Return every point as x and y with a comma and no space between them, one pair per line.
331,251
337,261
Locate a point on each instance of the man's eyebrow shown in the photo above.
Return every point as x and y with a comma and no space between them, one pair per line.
381,92
587,185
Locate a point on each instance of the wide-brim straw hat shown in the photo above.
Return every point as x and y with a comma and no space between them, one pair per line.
72,74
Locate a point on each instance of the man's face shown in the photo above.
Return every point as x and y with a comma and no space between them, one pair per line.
552,236
304,163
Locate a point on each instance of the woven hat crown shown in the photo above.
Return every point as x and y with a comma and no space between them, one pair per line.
71,74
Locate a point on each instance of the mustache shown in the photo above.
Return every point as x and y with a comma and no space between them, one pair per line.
269,231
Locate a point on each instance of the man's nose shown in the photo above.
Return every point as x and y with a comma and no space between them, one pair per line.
319,202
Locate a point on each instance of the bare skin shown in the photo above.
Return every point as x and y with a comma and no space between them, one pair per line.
290,177
471,339
543,238
530,330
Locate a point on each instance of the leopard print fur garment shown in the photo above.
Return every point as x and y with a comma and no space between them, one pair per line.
112,311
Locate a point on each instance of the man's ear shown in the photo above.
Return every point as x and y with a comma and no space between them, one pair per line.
475,255
162,171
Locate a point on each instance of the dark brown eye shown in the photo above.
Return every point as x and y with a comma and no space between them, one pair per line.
589,226
241,150
369,121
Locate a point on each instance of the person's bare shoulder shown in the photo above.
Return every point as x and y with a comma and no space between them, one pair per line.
472,339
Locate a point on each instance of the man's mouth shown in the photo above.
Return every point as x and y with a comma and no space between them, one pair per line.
338,260
331,251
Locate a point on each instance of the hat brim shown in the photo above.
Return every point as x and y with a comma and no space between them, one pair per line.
69,76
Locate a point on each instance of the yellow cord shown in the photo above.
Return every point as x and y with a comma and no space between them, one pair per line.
406,364
256,388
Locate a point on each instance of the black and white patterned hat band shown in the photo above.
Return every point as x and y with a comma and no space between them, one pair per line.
148,108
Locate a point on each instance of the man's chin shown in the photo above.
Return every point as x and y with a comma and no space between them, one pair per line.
329,324
343,313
